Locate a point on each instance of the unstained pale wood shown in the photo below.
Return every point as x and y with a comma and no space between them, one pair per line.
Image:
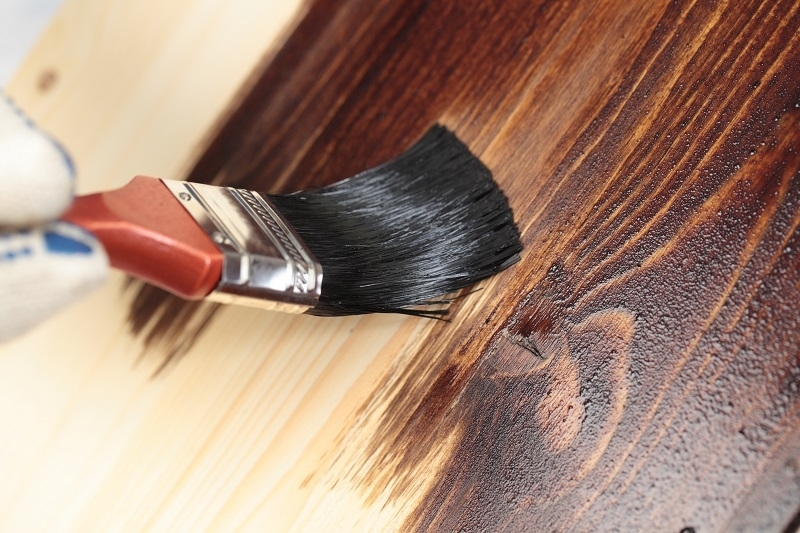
93,438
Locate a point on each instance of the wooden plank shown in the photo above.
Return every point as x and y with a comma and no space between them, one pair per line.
638,370
91,440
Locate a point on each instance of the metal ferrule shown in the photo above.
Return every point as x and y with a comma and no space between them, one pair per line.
265,263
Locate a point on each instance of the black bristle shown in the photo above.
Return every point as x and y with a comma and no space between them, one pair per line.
425,224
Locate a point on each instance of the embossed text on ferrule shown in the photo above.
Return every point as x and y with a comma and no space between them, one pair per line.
265,263
268,220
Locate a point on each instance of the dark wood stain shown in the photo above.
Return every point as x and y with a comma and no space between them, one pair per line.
650,152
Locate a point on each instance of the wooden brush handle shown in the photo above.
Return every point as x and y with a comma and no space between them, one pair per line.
148,234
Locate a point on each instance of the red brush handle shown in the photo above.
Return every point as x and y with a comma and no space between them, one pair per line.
147,233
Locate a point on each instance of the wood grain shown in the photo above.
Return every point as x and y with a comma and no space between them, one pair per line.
639,369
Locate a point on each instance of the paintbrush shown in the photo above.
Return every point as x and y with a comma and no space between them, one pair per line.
391,239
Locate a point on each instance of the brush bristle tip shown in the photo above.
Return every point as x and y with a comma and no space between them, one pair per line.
428,223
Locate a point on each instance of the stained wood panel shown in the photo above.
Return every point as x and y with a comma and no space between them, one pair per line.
637,371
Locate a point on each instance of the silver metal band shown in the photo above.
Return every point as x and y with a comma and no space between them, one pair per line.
266,264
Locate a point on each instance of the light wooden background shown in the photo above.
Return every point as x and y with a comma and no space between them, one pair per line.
21,21
638,370
243,432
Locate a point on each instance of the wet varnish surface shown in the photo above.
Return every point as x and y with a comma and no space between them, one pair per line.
638,370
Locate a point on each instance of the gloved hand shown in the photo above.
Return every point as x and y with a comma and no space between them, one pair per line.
44,265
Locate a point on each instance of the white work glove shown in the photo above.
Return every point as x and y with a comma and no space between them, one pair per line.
44,265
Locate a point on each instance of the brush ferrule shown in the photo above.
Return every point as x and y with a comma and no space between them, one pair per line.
266,264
